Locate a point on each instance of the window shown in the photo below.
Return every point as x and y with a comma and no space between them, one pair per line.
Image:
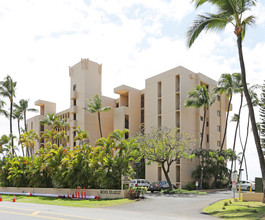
218,143
218,113
218,98
207,138
142,101
126,135
218,128
126,122
74,116
201,118
74,102
74,87
117,105
159,89
207,124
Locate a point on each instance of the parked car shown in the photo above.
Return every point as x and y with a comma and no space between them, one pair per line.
139,183
158,186
245,185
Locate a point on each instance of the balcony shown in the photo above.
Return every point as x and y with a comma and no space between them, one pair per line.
73,94
122,109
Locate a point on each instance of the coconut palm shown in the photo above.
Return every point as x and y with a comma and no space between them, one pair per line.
49,120
7,89
262,116
228,84
18,115
199,98
23,106
256,102
95,106
239,88
2,110
235,13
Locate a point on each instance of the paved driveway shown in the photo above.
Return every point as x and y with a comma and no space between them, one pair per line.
152,208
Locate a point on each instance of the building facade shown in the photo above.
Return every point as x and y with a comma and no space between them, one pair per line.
160,104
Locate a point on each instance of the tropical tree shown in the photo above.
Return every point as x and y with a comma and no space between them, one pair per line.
235,13
7,89
6,145
238,88
2,110
50,120
164,147
95,106
214,163
199,98
81,136
262,116
29,140
228,84
256,102
18,115
23,107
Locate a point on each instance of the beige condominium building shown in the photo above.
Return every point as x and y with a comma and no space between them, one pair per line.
160,104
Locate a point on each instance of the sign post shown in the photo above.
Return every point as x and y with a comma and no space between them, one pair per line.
234,181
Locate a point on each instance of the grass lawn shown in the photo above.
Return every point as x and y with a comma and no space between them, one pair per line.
236,210
91,203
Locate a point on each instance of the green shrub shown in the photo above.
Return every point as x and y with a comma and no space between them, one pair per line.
191,186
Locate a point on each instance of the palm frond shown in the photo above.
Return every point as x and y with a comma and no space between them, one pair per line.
206,22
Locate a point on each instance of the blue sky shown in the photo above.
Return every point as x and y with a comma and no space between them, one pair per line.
133,39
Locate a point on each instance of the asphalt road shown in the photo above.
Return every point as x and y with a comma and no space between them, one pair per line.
152,208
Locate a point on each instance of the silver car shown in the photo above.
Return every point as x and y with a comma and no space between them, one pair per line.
139,183
245,185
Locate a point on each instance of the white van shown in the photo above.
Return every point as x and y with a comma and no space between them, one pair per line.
141,183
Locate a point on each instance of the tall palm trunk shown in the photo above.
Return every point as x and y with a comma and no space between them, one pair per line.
18,127
226,121
25,121
251,112
11,128
235,136
99,123
202,159
244,149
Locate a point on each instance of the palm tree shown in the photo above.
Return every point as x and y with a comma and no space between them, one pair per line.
239,88
23,106
2,111
228,84
231,12
236,119
81,136
199,98
7,89
18,114
49,120
95,106
255,101
28,140
262,115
